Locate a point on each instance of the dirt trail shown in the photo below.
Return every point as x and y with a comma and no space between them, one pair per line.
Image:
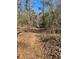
28,45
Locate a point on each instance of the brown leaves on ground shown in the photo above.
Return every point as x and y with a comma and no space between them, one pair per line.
34,45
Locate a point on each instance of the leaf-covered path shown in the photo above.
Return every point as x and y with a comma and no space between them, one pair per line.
30,45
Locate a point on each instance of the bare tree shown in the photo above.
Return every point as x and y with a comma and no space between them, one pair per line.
19,6
28,12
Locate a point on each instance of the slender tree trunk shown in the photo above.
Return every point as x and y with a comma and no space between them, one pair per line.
28,12
19,7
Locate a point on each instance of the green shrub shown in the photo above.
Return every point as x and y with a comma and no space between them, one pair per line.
22,19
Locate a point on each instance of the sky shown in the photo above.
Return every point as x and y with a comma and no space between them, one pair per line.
35,7
37,4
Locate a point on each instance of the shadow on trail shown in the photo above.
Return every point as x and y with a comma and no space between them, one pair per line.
37,30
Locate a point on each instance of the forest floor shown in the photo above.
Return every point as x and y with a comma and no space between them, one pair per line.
30,45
